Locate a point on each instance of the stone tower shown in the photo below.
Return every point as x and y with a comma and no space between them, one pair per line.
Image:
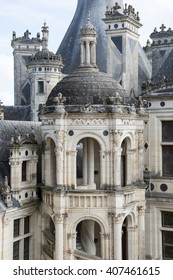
93,165
44,71
123,46
24,47
70,47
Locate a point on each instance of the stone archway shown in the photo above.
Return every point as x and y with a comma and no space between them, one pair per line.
128,237
48,237
88,163
125,162
88,238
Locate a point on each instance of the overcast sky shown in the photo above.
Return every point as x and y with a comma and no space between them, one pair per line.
19,15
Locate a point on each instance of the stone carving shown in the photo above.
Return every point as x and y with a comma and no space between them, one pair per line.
5,187
59,99
140,141
128,122
88,122
116,217
116,139
141,209
60,140
59,218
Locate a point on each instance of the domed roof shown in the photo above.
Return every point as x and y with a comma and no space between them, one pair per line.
44,57
86,86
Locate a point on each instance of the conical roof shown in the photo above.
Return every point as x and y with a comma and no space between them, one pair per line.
70,47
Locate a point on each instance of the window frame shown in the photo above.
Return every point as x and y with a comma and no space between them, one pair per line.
165,144
166,229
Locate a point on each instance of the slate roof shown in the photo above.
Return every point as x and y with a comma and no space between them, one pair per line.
70,45
17,113
2,207
15,128
86,86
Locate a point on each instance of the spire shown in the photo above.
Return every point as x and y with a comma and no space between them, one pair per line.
45,38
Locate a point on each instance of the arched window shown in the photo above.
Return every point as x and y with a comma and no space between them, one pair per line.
126,163
88,163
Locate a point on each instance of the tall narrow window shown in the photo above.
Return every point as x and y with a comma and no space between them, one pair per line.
26,224
23,171
16,250
16,228
40,87
26,249
21,242
167,235
167,148
124,164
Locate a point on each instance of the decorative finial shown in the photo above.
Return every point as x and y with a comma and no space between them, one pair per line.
162,27
59,99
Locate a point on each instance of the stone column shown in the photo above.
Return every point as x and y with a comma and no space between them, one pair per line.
59,242
91,183
102,245
87,53
117,158
108,165
141,232
71,245
117,220
107,246
65,229
141,154
59,150
93,53
73,168
82,53
102,169
85,162
47,165
132,246
68,169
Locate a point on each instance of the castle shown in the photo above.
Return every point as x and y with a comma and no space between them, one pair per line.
86,168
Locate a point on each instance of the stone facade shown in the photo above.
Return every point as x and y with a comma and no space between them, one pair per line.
93,178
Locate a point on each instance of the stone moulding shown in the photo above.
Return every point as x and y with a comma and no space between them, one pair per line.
88,122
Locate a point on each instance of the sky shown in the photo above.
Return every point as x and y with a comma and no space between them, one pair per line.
20,15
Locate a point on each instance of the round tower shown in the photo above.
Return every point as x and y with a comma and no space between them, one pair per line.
44,73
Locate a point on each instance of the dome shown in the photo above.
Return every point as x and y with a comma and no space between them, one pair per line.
86,86
44,57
